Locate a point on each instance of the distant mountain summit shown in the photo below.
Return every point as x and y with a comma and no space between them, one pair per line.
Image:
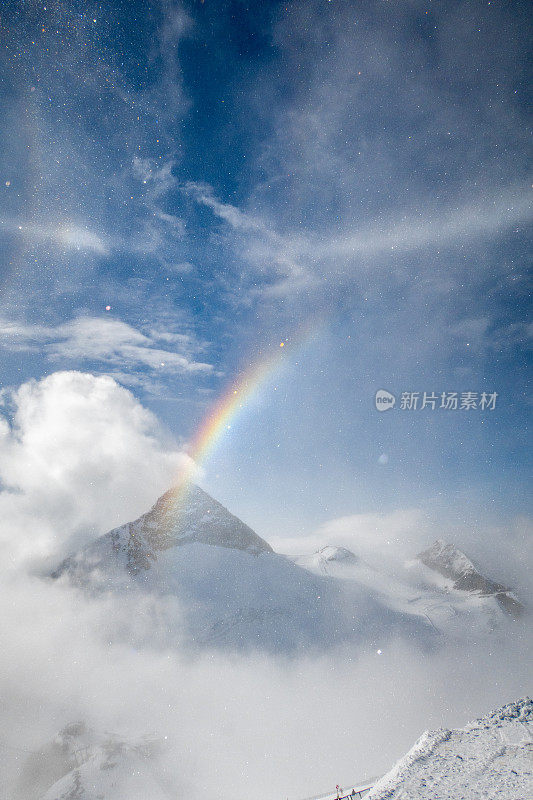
340,554
451,563
191,515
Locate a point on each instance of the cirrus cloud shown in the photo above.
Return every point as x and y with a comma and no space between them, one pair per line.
105,340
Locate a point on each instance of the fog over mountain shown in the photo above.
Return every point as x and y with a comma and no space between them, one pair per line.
232,590
188,580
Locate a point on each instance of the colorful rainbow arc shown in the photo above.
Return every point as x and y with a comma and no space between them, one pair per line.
235,399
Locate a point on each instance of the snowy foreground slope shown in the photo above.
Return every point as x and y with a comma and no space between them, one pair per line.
216,583
490,759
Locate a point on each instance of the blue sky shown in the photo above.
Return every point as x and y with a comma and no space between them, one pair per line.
224,175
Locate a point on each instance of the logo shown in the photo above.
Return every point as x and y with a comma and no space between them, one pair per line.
384,400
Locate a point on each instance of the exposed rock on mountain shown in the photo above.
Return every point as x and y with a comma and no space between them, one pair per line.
450,562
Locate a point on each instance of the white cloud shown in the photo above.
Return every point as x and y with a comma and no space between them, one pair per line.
403,530
80,456
108,341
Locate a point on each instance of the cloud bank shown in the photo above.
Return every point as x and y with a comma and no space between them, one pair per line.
79,456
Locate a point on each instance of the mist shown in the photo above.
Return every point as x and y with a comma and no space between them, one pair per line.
230,724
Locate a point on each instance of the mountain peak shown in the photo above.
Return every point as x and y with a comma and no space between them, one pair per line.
333,553
191,515
179,517
449,561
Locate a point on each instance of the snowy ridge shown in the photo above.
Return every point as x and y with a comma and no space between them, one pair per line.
490,758
451,563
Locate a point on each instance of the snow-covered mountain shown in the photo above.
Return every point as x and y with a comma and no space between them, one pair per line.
177,519
491,758
462,605
81,764
451,563
215,583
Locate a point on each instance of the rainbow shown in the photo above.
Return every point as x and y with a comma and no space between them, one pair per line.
235,399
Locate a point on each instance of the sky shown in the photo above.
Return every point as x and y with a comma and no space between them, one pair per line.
327,198
225,229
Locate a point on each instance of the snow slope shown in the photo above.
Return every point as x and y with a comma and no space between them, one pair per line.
490,759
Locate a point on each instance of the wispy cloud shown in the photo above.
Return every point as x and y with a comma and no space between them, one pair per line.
269,252
373,154
488,217
64,192
159,231
66,236
303,258
106,341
